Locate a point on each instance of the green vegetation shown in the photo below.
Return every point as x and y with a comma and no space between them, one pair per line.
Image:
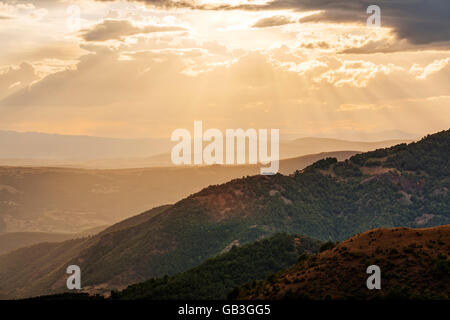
323,164
214,278
428,155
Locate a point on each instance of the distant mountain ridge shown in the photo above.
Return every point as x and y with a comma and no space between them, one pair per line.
34,145
42,149
15,240
370,136
405,185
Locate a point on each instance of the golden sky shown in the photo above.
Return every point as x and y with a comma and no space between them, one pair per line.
144,68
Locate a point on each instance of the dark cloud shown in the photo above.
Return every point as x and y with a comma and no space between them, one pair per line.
419,21
272,22
316,45
117,29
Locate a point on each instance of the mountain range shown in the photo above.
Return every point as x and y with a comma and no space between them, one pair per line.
405,185
53,150
48,199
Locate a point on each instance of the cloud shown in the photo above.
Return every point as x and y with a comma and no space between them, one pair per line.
151,77
21,10
273,21
421,22
159,95
382,46
356,73
118,29
353,107
13,78
315,45
422,73
104,79
418,21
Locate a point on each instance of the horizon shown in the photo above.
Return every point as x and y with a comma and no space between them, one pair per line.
366,136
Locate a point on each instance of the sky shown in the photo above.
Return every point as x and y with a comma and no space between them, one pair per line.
141,69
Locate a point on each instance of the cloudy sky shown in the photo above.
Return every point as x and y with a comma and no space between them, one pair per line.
144,68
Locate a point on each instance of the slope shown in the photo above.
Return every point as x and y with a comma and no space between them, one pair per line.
48,199
215,277
15,240
414,264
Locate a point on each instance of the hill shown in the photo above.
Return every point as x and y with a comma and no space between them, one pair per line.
37,264
15,240
48,199
311,145
414,264
70,148
328,200
216,277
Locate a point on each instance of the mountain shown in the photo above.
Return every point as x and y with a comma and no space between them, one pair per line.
37,263
34,145
48,199
414,264
15,240
311,145
159,160
405,185
216,277
370,136
54,150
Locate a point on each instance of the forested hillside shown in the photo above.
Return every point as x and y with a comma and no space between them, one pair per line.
217,276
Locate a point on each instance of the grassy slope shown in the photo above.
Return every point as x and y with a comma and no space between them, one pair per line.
414,263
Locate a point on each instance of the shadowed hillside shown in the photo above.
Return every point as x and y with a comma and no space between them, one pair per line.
216,277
